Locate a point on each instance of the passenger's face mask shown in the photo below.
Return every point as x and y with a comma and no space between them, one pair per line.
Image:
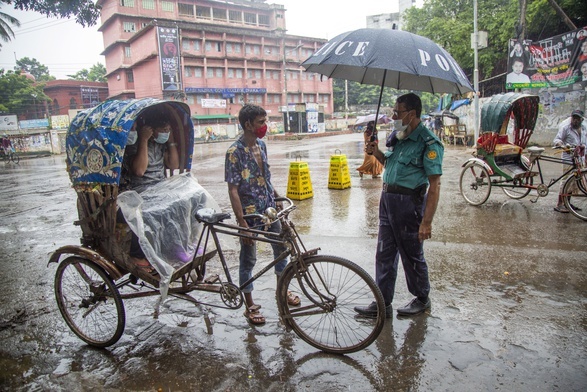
162,138
261,131
132,138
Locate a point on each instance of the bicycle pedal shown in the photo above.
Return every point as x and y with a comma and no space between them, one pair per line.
212,279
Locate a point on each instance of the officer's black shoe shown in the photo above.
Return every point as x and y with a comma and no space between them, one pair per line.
415,306
371,310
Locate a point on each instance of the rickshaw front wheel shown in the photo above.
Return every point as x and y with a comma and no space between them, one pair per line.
89,302
475,184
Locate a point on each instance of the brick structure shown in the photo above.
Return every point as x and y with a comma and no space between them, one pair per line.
214,55
69,95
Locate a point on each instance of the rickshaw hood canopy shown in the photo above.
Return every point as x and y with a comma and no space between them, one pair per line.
97,137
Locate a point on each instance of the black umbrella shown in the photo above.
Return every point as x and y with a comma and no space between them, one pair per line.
391,58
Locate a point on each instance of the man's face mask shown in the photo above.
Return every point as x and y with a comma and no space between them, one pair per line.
132,138
261,131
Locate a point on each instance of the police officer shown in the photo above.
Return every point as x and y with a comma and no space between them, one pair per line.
411,189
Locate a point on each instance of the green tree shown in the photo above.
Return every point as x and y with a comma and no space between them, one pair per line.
97,73
18,93
86,12
35,68
6,32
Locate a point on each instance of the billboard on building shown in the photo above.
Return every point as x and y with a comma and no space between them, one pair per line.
168,39
8,122
557,62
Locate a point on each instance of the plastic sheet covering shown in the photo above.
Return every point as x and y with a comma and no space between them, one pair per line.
163,219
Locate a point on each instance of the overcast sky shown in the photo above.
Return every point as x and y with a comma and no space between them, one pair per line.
66,47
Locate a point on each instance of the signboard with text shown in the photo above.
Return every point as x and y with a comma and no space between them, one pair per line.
169,58
8,122
557,62
214,103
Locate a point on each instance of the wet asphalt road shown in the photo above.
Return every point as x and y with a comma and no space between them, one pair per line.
508,295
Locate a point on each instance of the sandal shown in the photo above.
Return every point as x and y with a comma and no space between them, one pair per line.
144,266
292,299
254,317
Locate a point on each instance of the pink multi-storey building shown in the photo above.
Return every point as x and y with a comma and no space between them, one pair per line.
214,55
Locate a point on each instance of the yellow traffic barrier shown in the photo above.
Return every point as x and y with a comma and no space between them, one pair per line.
299,184
339,176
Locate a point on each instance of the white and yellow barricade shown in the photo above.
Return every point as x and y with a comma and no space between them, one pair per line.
339,176
299,184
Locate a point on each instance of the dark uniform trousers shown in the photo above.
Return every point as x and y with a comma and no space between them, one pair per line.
400,216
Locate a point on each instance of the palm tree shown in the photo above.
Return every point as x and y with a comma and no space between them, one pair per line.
6,33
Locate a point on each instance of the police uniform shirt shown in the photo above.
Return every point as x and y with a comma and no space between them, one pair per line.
413,159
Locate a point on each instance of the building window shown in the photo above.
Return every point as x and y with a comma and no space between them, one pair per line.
185,44
167,6
235,16
203,12
276,75
72,103
55,106
324,98
148,4
264,20
250,18
187,72
185,9
199,98
190,99
239,73
144,24
219,72
197,45
209,72
208,46
309,98
129,76
228,47
237,48
219,14
198,72
230,73
127,51
127,3
129,27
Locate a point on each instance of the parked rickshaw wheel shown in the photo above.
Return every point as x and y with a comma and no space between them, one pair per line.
89,302
576,186
475,184
517,190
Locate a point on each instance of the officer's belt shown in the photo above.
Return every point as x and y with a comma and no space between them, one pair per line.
419,191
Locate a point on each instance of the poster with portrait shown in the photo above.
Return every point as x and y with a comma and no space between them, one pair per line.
168,38
558,62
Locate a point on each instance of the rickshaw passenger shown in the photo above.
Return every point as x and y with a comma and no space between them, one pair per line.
570,132
152,150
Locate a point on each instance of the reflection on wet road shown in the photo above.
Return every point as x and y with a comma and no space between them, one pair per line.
508,294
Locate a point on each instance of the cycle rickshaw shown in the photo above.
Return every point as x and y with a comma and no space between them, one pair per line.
93,279
508,165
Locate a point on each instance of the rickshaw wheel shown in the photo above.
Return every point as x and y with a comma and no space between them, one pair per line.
89,302
517,190
576,187
475,184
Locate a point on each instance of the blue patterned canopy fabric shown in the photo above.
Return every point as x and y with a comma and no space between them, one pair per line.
97,137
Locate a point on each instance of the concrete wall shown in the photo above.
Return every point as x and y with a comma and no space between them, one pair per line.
554,108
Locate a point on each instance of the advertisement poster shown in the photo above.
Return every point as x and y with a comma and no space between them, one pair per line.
60,122
559,62
90,97
8,122
169,58
312,117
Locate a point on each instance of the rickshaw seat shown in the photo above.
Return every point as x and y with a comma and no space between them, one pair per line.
507,149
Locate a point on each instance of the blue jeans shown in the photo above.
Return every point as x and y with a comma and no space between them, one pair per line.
248,258
399,221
